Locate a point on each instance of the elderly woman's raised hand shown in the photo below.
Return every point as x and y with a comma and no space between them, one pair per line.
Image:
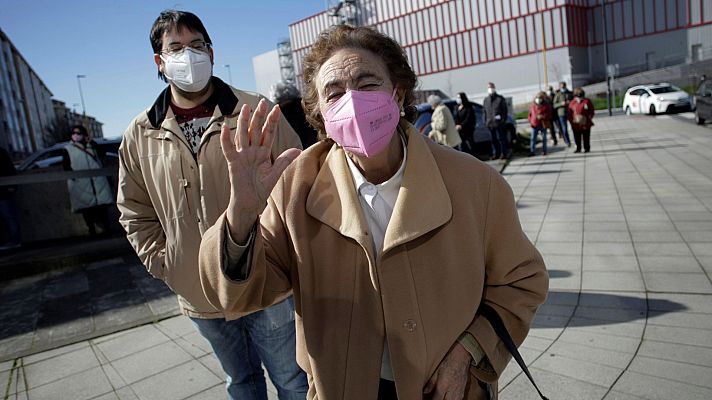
252,172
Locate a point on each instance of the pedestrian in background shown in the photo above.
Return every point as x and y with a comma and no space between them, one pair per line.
91,196
174,185
8,212
465,124
443,124
287,96
554,122
561,106
540,121
581,117
495,107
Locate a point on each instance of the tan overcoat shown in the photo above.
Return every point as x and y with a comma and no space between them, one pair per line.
454,240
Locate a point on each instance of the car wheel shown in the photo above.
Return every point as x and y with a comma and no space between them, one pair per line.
652,110
627,110
699,120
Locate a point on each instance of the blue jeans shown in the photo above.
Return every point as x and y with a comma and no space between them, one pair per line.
535,133
8,213
266,337
564,123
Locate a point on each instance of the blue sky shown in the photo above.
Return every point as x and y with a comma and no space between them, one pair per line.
108,42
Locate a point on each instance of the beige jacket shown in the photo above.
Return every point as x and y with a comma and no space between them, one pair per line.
454,240
168,198
443,124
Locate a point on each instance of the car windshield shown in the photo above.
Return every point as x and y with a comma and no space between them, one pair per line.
664,89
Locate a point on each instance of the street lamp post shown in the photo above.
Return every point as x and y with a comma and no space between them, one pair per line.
605,57
81,95
229,73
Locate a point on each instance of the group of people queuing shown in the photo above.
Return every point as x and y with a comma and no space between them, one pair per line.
551,112
341,269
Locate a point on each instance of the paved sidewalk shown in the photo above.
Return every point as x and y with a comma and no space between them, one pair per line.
626,231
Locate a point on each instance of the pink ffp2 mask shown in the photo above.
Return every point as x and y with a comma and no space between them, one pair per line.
363,122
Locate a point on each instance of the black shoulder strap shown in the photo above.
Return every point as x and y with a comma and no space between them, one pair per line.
498,326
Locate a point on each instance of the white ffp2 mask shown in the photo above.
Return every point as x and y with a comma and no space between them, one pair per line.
190,70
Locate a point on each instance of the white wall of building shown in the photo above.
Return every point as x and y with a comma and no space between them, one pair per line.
267,71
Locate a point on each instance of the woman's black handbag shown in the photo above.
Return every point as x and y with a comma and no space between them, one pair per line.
498,326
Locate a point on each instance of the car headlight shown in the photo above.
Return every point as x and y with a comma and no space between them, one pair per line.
660,98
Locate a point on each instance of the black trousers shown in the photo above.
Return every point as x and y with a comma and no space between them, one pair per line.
96,216
387,390
586,136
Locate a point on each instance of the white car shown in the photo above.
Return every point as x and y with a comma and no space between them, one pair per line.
653,99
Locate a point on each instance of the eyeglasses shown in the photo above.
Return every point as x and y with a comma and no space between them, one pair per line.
177,48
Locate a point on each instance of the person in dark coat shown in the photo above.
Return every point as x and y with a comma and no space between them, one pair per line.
289,99
466,122
495,117
8,213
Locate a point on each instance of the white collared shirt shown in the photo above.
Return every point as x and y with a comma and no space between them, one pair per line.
377,202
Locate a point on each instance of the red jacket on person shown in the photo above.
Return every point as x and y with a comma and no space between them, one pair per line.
542,111
579,108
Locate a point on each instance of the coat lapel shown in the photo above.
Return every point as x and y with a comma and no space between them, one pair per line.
333,200
423,202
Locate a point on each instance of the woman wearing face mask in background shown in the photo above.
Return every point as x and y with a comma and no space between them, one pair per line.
389,248
540,120
88,196
581,117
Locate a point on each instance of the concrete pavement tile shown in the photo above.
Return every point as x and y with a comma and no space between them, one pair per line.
84,385
164,306
677,282
194,344
559,248
572,217
550,321
598,217
60,367
606,236
5,382
611,315
655,388
697,303
149,362
578,369
133,341
621,396
113,376
215,392
670,236
679,335
651,226
555,310
176,326
554,386
123,317
562,226
536,343
677,352
693,216
16,344
610,263
647,216
608,249
695,225
680,264
701,249
565,280
618,300
674,371
54,352
126,393
663,249
176,383
681,319
605,226
561,263
605,341
698,236
6,365
563,297
66,285
629,329
60,333
211,362
107,396
706,262
590,354
605,280
560,236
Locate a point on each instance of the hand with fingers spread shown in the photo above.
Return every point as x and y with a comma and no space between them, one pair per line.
252,172
450,378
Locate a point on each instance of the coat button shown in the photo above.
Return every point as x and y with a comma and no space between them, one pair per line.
409,325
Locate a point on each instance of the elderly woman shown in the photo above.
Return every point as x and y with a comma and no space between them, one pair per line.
388,249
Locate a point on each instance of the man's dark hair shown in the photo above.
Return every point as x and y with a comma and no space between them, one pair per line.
170,19
79,128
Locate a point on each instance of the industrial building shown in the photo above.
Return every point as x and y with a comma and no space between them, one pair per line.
523,45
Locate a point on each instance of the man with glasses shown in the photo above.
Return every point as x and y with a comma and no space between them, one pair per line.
173,185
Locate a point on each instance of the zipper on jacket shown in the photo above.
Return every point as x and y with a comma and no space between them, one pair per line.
183,181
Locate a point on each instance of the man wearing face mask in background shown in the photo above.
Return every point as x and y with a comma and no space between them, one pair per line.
495,116
173,185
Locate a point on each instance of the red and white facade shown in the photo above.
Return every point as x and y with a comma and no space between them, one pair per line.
460,45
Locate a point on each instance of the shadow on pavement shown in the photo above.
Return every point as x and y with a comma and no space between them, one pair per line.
557,273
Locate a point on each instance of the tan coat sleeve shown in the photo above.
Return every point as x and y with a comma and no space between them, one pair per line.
516,281
137,215
268,280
